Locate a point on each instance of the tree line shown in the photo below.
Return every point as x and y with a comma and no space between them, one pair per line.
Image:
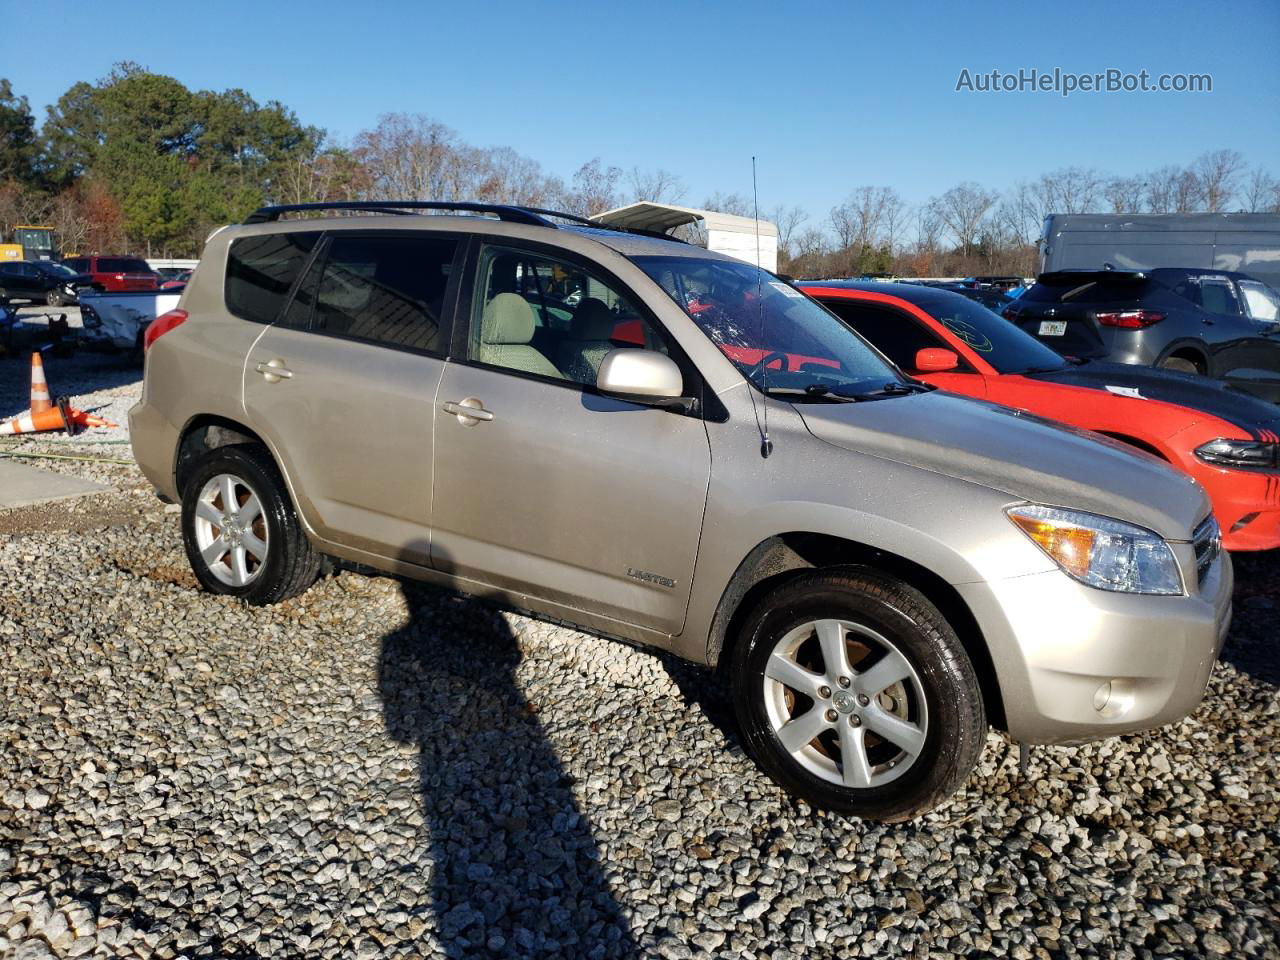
138,163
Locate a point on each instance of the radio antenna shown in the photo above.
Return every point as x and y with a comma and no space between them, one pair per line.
766,445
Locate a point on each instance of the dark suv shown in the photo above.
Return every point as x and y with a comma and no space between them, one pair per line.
41,281
1208,322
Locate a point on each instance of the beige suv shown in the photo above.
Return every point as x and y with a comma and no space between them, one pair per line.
675,448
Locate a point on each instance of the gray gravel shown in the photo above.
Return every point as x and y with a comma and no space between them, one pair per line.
380,769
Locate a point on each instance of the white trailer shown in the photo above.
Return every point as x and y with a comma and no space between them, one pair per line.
734,236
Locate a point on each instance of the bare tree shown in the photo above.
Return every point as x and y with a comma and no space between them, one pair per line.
1217,176
660,186
788,221
594,189
412,157
1262,193
731,203
1124,194
502,175
963,209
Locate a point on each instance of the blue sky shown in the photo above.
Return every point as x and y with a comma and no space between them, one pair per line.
827,96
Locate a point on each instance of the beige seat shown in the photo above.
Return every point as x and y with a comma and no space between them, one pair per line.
506,327
589,341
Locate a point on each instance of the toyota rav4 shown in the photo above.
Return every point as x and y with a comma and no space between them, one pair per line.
671,447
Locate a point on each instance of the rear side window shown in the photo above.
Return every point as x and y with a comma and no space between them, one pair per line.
384,289
1214,294
261,271
78,264
122,265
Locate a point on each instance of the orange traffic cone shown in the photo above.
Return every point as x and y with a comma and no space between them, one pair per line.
62,416
40,399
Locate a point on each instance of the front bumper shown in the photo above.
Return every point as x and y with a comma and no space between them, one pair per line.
1056,643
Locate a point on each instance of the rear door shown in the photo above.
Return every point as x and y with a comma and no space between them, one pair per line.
343,385
552,490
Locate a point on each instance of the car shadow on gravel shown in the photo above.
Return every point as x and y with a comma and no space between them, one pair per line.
515,868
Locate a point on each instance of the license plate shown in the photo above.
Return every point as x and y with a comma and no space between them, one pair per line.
1053,328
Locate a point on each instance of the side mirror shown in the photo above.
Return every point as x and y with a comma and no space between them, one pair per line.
936,360
641,376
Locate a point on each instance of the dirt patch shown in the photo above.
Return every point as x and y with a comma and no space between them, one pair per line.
78,515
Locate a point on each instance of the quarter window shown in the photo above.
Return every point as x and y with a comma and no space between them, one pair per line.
261,270
551,317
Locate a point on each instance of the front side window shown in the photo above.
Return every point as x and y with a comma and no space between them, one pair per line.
551,317
898,336
776,336
387,290
1260,301
261,270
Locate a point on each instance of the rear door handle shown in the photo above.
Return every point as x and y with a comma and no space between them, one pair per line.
274,371
469,411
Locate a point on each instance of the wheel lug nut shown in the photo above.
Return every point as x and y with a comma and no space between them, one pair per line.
832,716
824,692
855,720
863,700
845,681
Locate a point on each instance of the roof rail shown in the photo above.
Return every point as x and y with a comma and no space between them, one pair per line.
501,211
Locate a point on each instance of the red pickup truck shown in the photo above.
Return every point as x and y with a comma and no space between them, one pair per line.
116,274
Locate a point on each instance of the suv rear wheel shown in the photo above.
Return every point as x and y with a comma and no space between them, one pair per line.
854,692
241,532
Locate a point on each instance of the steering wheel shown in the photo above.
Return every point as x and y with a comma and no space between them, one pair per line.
758,367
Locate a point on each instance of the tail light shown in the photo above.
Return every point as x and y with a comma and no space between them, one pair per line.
1129,319
162,325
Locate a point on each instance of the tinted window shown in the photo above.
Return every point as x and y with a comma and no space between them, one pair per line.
78,264
1087,289
1214,294
260,271
387,290
8,269
896,335
552,317
122,265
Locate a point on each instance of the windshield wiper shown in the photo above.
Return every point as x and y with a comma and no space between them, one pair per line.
823,391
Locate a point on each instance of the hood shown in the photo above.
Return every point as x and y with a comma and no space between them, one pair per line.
1249,413
1016,453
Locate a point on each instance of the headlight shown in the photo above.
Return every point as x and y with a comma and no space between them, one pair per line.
1239,453
1101,552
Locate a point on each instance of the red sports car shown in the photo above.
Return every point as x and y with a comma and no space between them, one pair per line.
1228,441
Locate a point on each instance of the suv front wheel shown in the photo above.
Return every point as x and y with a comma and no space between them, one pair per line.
241,532
854,692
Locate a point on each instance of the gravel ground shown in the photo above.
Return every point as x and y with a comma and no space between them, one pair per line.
380,769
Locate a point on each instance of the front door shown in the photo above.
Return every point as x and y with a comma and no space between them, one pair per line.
543,486
344,386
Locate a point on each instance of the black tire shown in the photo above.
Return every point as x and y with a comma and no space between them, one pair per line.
955,728
1182,365
291,564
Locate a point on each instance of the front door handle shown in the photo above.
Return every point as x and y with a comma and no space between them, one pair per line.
274,370
469,411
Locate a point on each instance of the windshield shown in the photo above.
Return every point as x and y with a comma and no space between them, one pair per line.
992,337
56,269
779,338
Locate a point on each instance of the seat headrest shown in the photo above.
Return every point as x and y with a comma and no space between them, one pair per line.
592,320
507,319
